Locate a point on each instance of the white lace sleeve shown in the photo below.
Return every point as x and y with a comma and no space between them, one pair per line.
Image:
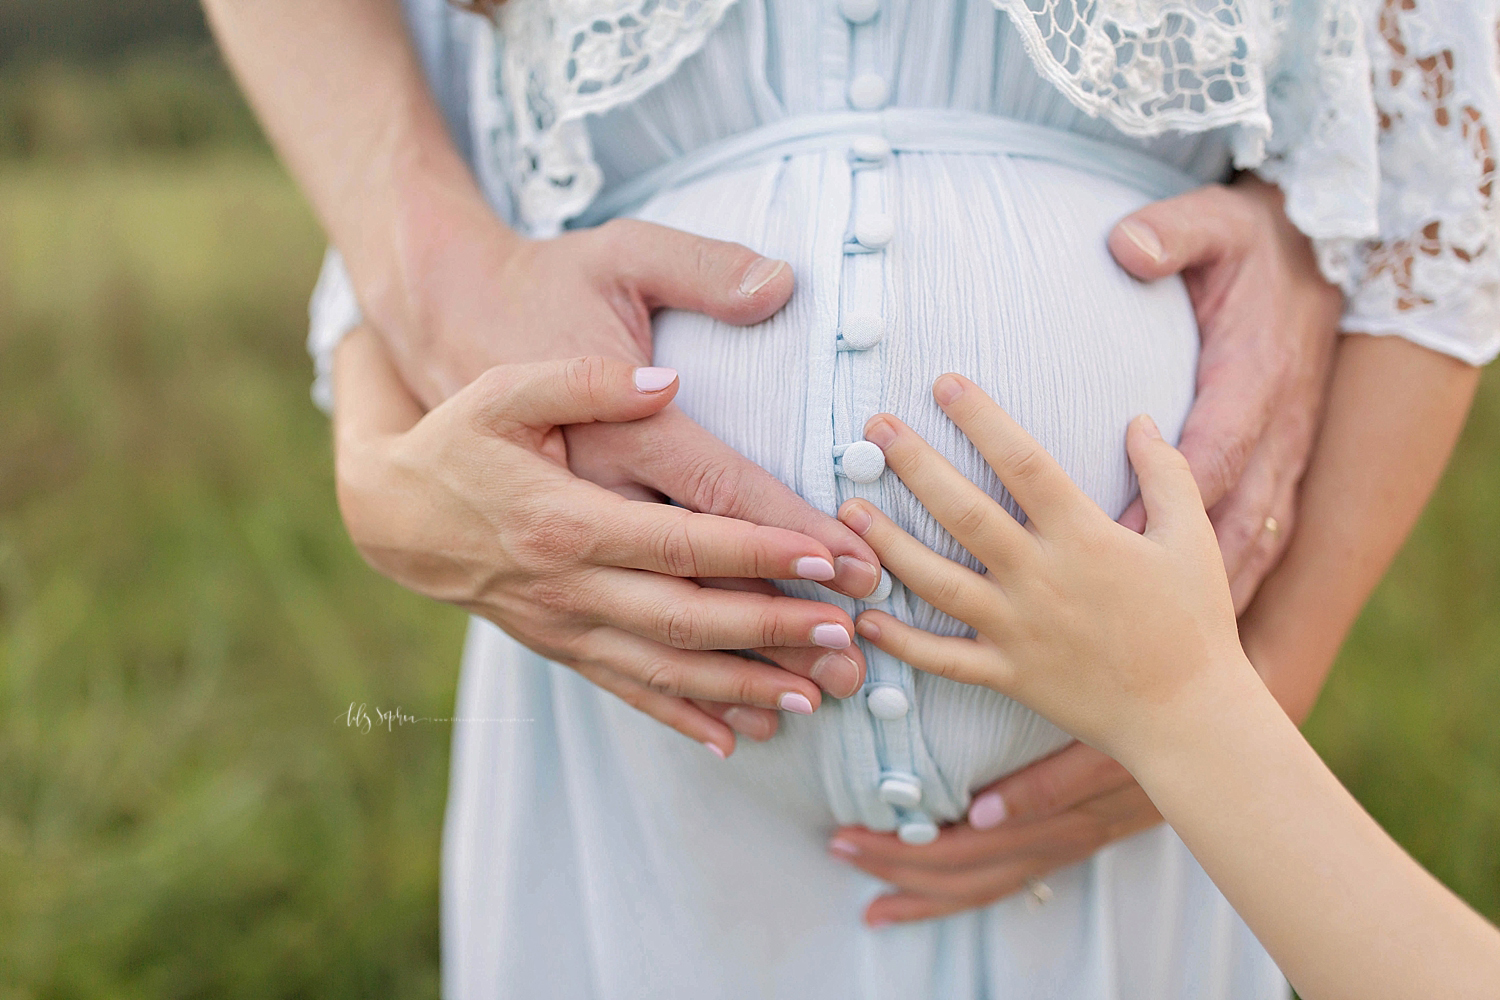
1391,169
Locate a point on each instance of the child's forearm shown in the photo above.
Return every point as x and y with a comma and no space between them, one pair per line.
1394,414
1343,910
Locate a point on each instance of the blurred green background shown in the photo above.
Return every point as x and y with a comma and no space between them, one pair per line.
183,624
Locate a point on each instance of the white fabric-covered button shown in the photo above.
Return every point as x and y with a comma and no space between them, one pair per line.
901,790
874,230
917,831
863,462
861,331
887,701
882,591
859,11
868,92
870,149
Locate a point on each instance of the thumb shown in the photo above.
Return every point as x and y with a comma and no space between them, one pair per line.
574,391
1172,235
1169,492
671,269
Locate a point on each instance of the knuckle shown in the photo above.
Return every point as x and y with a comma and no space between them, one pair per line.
774,633
676,551
712,487
971,516
586,378
681,627
662,676
1024,462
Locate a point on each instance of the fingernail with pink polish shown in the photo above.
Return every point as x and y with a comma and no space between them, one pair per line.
759,275
987,811
846,848
715,748
831,635
794,702
813,568
654,379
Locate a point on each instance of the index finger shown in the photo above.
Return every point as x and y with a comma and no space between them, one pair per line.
688,464
677,542
1032,476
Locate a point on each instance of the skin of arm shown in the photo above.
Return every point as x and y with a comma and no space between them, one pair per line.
1395,410
1130,642
1393,416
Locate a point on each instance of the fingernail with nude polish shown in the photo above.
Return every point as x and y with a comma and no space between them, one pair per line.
1144,237
987,811
849,567
947,389
836,674
759,274
654,379
831,635
856,519
1149,426
715,748
880,432
813,568
747,722
843,847
794,702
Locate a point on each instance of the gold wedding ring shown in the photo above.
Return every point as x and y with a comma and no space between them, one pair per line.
1273,525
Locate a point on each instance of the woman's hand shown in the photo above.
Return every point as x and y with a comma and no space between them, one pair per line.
473,504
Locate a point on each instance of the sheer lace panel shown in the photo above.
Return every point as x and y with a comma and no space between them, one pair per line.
1150,65
1440,165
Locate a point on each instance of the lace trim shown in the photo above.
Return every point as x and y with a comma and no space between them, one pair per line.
1382,112
560,60
1147,66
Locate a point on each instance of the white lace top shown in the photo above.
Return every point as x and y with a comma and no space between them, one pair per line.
1373,115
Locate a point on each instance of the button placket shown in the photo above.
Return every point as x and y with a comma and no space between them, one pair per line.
863,327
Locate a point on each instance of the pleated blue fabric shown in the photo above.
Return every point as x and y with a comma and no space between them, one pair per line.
591,853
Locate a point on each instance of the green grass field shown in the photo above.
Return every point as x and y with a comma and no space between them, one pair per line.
183,624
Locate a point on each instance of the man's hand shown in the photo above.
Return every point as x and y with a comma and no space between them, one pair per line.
1268,322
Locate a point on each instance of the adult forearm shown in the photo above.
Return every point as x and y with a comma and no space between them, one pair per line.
339,91
1343,910
1394,414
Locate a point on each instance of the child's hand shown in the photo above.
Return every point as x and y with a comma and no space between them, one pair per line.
1106,632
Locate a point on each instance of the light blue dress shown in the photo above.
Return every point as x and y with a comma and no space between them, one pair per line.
589,852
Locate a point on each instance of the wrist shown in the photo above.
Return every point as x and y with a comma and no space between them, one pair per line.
436,237
1203,714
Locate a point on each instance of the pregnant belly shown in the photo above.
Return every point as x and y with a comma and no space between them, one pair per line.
998,270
